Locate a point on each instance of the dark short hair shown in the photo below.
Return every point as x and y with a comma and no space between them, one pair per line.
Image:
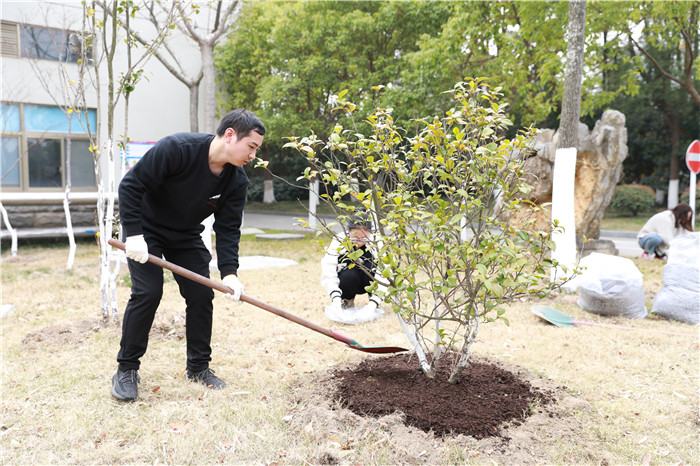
359,219
242,122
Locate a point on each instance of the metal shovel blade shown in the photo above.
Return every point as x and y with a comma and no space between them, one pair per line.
262,305
553,316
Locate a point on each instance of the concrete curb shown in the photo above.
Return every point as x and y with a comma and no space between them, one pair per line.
620,234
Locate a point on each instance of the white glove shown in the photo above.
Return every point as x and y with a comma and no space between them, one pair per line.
136,248
337,302
371,307
235,284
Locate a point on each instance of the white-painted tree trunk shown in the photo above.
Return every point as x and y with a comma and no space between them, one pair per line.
13,232
420,354
268,192
105,220
314,188
207,232
673,193
563,211
69,231
66,199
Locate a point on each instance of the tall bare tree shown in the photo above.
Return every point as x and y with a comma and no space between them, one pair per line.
167,54
222,15
225,17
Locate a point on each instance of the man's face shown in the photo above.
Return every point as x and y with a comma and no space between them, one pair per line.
241,151
359,237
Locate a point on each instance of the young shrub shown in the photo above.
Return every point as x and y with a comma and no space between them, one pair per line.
448,262
632,198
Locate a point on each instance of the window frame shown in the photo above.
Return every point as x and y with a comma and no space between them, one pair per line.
23,147
12,46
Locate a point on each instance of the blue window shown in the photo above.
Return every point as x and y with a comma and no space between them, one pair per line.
42,145
10,117
9,162
41,118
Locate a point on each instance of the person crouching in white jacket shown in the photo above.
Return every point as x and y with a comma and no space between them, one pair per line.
344,278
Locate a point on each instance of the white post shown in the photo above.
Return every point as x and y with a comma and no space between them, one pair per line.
563,211
691,194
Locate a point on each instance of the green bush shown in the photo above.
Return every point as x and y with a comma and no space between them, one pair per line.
438,192
632,198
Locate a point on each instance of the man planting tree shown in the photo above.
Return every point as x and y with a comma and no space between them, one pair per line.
163,200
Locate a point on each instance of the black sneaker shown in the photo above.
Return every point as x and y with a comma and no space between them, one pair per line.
124,385
206,377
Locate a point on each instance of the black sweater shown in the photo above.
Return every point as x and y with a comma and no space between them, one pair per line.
171,190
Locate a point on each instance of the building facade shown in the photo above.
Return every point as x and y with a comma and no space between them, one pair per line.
45,141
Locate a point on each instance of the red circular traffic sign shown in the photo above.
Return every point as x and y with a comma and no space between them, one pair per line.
692,157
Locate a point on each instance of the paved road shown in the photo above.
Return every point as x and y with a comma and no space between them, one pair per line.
625,241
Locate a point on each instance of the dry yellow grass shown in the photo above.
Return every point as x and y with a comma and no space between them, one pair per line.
635,392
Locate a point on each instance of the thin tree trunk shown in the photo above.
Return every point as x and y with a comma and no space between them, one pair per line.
469,340
66,202
269,187
573,75
209,86
674,166
420,354
194,106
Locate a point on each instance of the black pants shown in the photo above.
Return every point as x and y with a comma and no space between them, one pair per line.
353,282
146,292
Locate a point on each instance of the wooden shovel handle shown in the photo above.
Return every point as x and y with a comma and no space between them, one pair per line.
245,298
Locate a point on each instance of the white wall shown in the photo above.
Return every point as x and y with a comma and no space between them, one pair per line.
160,104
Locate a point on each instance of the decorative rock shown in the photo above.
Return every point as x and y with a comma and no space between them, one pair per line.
598,170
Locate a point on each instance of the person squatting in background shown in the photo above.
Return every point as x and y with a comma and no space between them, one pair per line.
344,278
163,199
656,234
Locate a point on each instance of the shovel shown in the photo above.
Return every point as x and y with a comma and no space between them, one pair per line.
262,305
560,319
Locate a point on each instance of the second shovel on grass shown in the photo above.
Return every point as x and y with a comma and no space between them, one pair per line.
560,319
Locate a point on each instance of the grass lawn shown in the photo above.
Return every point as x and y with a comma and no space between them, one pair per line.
629,396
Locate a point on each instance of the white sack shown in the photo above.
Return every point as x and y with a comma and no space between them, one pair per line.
679,297
610,285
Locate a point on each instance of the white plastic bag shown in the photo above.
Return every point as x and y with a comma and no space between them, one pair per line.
353,315
611,285
685,250
679,297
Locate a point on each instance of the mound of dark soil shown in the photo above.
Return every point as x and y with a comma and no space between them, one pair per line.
485,398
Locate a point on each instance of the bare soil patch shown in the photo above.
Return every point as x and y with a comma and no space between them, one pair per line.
167,325
69,333
485,397
387,400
